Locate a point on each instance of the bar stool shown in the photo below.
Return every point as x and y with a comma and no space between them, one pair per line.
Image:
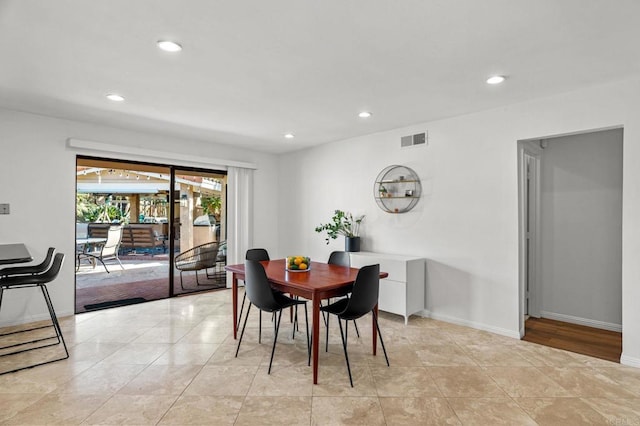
16,281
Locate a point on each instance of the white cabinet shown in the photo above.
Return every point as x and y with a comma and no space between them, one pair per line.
402,292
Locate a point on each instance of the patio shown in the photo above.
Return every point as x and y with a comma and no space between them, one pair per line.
144,278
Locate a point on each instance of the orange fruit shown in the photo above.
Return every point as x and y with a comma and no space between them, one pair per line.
302,266
298,260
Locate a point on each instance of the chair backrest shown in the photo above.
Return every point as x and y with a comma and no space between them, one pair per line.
34,269
364,295
339,258
207,254
257,286
114,236
43,278
97,229
82,230
257,254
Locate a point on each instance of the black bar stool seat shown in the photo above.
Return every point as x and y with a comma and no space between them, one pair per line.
16,279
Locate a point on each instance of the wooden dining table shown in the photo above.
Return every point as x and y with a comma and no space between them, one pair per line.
321,281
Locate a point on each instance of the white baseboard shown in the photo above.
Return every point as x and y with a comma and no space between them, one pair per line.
582,321
630,361
471,324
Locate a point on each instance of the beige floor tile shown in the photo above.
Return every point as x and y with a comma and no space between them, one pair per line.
137,353
58,409
215,380
288,353
203,410
627,377
495,355
586,382
264,410
250,353
427,336
185,351
418,411
120,333
561,411
333,380
12,403
101,379
489,411
465,382
404,355
131,410
283,381
444,355
617,411
593,362
404,381
161,380
346,411
38,355
164,334
187,354
525,382
207,334
544,356
93,351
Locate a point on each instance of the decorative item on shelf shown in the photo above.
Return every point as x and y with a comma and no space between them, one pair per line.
343,223
298,264
397,189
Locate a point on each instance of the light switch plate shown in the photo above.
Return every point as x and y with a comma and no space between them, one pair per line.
4,208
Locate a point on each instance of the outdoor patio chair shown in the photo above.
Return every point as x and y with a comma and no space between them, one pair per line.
106,251
196,259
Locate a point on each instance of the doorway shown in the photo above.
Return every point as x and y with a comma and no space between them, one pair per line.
570,203
129,221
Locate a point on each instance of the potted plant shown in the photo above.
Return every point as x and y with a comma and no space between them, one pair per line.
343,223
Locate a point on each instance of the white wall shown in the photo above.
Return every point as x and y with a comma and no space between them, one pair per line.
37,177
466,224
581,232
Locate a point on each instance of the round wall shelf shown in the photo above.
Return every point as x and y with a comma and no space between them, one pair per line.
397,189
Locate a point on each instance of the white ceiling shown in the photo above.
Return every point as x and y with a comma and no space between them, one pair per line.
252,70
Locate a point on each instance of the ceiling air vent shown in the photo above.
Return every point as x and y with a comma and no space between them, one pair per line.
413,140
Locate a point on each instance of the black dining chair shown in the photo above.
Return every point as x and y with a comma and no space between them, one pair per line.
340,258
364,298
259,291
257,254
17,281
31,269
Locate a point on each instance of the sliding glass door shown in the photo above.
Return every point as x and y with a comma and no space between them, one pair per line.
200,237
134,222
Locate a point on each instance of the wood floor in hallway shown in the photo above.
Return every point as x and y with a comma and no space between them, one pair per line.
595,342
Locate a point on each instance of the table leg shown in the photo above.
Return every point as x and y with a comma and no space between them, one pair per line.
234,302
374,337
316,336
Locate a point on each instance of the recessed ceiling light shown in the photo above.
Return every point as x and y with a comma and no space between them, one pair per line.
364,114
495,79
289,135
169,46
115,97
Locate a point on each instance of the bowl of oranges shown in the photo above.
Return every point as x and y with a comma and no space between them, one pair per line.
298,264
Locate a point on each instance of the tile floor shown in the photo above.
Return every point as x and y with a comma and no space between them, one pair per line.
171,362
